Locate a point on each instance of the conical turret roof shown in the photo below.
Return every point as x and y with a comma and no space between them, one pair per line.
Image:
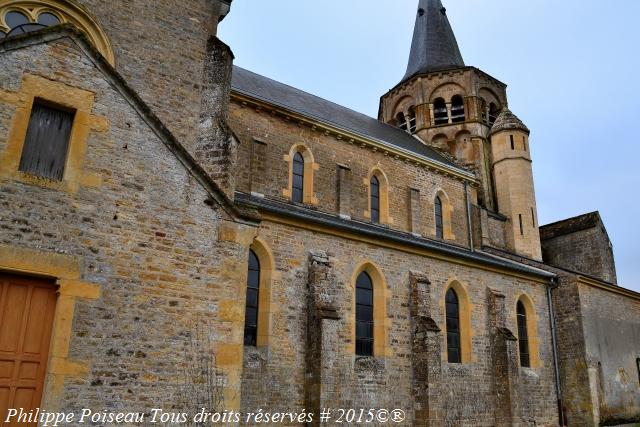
508,121
434,45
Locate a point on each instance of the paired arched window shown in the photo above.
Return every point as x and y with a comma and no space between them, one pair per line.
452,312
375,199
440,114
523,335
457,109
20,17
364,315
439,218
253,295
297,183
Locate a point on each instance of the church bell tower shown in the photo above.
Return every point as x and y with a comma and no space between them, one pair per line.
454,108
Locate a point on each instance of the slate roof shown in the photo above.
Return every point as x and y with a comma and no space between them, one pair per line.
295,100
508,121
434,46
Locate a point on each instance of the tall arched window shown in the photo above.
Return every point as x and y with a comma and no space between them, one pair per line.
638,364
364,315
457,109
375,199
401,121
523,336
297,187
454,354
251,306
440,114
411,120
439,220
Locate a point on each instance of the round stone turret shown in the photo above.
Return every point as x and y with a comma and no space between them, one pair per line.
513,178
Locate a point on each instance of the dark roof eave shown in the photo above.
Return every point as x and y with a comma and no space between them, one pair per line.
301,213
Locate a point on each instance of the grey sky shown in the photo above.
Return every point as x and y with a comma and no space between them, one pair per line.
571,67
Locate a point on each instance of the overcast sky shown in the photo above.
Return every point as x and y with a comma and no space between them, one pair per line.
571,66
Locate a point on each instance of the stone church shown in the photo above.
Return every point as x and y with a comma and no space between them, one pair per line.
177,233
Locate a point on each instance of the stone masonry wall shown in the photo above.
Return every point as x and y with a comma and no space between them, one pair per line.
268,172
165,260
587,251
612,342
160,49
468,390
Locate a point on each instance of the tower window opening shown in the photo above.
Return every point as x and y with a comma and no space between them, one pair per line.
524,143
638,366
533,217
411,120
401,121
513,145
440,113
493,113
483,110
457,109
521,226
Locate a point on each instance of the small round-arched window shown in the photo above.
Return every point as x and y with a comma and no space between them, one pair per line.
21,17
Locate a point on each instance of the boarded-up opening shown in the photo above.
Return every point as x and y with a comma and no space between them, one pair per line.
46,144
26,317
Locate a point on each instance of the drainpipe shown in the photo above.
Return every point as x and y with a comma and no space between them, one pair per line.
466,197
552,319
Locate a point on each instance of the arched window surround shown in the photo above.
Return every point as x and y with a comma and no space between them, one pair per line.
383,181
381,295
447,215
267,273
465,310
67,12
532,328
310,166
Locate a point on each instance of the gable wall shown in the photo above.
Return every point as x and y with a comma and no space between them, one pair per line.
162,260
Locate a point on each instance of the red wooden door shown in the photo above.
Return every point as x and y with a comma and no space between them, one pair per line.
26,317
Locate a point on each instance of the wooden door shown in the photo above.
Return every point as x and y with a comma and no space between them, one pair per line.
26,317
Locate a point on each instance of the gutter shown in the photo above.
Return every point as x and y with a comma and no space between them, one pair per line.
552,320
384,233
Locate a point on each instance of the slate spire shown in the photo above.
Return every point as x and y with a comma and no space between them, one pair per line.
434,45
